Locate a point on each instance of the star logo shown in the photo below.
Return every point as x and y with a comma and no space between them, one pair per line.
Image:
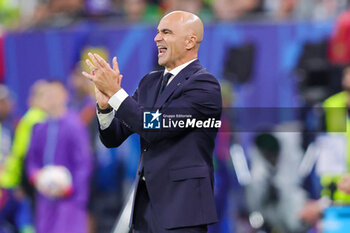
156,115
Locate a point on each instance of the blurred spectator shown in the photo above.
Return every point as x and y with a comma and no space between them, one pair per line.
11,176
107,187
58,12
336,109
82,100
13,170
134,10
9,13
6,123
27,10
328,9
13,173
6,126
61,142
336,120
108,174
193,6
141,11
83,103
229,194
227,10
284,9
339,46
223,165
275,191
15,213
197,7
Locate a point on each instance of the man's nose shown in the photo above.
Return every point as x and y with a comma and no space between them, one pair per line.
158,37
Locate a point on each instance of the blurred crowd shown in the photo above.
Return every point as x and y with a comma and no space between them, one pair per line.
55,174
32,13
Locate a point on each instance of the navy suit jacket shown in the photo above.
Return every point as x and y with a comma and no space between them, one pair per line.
177,163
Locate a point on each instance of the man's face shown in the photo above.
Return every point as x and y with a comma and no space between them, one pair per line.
170,41
5,108
57,98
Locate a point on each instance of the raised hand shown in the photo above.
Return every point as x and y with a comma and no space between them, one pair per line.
106,79
102,99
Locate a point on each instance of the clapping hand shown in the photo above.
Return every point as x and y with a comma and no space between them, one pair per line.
107,80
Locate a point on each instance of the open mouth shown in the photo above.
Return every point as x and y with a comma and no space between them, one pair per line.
161,50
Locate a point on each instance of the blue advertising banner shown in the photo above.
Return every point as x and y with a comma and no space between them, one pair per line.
52,53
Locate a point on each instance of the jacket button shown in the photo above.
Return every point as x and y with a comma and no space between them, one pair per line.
145,149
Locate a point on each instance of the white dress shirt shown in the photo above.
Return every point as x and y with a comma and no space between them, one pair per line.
117,99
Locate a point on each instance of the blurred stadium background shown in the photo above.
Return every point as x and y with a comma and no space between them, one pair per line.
277,60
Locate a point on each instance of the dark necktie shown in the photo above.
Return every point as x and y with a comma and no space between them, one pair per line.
165,81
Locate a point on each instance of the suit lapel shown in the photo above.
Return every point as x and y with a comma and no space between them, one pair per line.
176,82
154,94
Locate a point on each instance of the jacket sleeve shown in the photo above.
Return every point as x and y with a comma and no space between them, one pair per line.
117,132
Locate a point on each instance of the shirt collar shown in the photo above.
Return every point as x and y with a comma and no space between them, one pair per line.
178,69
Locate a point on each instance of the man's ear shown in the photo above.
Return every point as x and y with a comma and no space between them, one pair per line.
191,42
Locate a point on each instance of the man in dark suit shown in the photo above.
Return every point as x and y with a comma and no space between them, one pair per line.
174,190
